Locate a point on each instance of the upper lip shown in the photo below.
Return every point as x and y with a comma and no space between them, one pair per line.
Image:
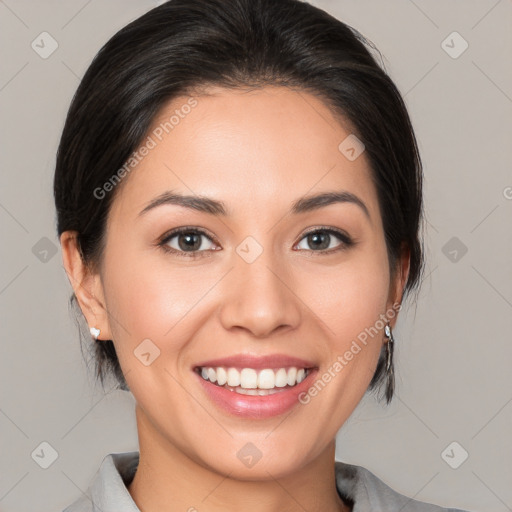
257,362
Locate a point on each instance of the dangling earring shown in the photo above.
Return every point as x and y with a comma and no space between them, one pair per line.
94,332
389,348
390,345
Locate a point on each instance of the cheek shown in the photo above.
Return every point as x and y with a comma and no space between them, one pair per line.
350,298
350,304
151,301
145,298
150,297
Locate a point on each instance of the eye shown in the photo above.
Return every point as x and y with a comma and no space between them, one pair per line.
189,241
321,240
186,241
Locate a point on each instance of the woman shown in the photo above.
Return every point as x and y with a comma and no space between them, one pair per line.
239,198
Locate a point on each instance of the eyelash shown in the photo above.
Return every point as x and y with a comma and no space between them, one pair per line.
347,242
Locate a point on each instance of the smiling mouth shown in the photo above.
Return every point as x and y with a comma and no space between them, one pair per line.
249,381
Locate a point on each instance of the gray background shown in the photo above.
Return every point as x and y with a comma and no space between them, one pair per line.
454,350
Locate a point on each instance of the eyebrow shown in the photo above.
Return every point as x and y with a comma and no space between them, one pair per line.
218,208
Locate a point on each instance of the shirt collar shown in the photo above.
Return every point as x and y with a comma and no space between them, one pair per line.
109,492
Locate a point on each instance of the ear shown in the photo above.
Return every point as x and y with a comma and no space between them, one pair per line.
401,275
86,284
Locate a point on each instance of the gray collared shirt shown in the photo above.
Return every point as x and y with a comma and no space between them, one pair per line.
108,491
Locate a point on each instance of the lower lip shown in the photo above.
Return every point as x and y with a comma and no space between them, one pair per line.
256,407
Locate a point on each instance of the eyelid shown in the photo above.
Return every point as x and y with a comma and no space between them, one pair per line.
330,229
186,229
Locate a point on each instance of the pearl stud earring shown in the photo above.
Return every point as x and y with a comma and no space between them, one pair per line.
94,332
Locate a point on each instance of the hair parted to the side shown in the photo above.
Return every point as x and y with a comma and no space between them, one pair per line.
182,46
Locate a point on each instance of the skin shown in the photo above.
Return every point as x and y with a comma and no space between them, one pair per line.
257,151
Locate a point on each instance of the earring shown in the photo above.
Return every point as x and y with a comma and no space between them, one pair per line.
389,348
94,332
390,376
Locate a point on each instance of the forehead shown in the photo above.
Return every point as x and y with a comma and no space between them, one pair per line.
249,148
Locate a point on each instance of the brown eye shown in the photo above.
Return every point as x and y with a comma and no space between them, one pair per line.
324,240
187,242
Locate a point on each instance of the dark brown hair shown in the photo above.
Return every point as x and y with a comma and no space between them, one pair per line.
183,45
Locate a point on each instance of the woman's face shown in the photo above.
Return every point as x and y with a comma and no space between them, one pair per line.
260,286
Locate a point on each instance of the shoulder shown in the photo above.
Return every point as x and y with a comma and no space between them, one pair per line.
368,492
108,491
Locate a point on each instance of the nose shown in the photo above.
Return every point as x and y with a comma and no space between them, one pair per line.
259,297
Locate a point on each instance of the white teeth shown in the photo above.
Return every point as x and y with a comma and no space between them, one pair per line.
292,376
248,378
212,375
281,378
254,392
222,376
233,377
266,379
249,381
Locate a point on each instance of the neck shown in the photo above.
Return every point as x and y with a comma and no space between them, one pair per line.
168,479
